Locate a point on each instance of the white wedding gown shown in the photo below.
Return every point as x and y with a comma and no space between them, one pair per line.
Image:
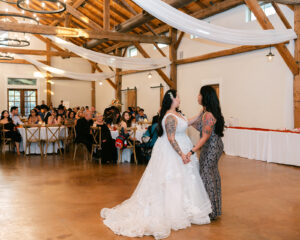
170,194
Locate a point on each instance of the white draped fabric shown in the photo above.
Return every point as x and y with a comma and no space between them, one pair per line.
202,29
128,63
270,146
64,73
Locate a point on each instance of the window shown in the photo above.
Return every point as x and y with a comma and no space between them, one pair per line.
24,99
132,51
193,36
21,81
266,7
161,45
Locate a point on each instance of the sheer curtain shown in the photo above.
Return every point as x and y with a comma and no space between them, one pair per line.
64,73
128,63
202,29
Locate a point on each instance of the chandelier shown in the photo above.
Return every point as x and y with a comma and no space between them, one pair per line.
6,56
11,39
53,6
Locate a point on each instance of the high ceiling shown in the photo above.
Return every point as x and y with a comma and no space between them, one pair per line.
120,12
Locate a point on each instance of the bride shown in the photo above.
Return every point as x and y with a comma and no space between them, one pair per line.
170,194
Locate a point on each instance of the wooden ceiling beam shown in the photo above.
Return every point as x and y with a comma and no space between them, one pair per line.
201,14
76,32
159,71
266,24
19,61
37,52
137,21
106,14
281,15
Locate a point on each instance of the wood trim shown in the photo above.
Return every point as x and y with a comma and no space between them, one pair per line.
38,52
179,40
266,24
281,15
296,89
173,56
106,14
77,32
159,71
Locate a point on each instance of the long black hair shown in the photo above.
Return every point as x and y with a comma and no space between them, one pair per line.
211,103
165,106
2,116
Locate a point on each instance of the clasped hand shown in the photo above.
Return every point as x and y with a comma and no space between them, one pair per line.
186,158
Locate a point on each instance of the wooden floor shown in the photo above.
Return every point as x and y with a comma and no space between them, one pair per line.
57,198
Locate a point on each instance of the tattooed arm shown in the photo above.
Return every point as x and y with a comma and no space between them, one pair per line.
194,121
171,124
208,122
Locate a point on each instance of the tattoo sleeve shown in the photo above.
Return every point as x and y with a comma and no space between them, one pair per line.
208,123
170,125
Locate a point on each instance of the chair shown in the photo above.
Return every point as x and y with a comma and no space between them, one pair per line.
32,135
97,142
3,139
80,145
53,136
68,135
130,143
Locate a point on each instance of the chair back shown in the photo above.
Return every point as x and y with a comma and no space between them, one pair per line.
132,134
53,132
69,132
32,132
96,134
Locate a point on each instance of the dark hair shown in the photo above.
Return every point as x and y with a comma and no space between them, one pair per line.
211,103
2,116
45,107
13,108
38,107
165,106
141,110
69,115
128,122
36,112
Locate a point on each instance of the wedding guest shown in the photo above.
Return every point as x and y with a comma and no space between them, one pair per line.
141,116
83,131
34,118
86,108
61,105
109,123
11,131
43,105
116,117
109,151
210,124
54,118
125,120
14,114
38,109
61,113
47,113
93,111
71,119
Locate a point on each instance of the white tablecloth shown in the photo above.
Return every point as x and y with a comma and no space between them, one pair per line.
34,148
126,154
270,146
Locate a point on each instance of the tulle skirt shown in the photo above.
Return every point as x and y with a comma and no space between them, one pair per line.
170,195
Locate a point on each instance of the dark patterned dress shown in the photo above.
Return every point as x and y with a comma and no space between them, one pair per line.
209,158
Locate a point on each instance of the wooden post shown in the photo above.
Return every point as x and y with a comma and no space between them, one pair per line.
173,56
297,77
48,84
118,78
93,85
106,13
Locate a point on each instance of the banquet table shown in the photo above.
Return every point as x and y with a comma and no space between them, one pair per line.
126,154
268,145
34,147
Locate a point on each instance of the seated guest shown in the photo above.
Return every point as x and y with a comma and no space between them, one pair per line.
86,108
71,119
47,113
14,115
43,105
61,105
125,120
34,118
83,131
61,113
116,117
109,151
79,114
93,111
38,109
141,116
54,118
108,122
11,131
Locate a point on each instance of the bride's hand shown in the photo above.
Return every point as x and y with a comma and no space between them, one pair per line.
184,158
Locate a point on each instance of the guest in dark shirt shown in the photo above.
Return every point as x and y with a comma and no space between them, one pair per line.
109,151
83,130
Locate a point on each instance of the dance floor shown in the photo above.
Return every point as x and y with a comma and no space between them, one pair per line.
58,199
